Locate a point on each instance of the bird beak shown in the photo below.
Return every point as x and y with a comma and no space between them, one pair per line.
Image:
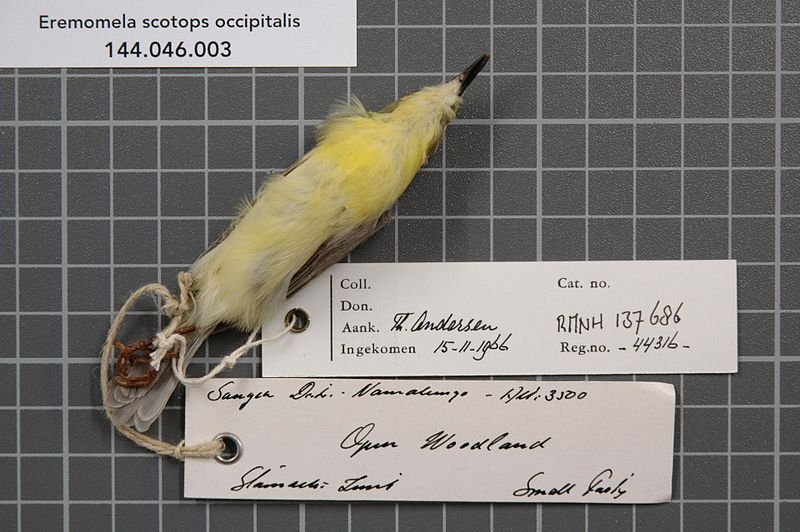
471,72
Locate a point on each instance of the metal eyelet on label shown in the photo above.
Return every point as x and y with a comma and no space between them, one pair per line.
233,448
298,318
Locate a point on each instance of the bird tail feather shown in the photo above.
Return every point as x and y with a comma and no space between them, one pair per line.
140,407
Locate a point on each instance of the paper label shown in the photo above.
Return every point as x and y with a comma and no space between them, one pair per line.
178,33
515,318
434,440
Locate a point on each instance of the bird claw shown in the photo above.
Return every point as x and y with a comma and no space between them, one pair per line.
138,353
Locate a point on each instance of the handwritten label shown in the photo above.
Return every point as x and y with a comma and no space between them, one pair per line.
426,440
513,319
178,33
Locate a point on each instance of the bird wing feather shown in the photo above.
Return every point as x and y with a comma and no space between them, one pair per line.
334,250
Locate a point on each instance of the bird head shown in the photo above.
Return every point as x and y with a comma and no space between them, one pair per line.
426,113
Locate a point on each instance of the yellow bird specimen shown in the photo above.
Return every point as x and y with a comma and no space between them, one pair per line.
304,220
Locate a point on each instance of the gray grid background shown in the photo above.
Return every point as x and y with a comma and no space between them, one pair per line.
601,130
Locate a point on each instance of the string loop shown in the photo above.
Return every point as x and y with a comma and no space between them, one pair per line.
165,344
227,362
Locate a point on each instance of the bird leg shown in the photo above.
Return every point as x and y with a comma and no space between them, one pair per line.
138,353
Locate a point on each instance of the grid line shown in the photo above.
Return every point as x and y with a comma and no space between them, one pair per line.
730,245
17,333
64,323
776,483
111,305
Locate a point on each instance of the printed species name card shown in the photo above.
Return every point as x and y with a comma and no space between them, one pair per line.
434,440
177,33
516,318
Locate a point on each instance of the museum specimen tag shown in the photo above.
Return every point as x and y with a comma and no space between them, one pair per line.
512,318
433,440
178,33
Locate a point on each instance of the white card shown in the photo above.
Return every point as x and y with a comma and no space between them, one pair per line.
177,33
512,318
434,440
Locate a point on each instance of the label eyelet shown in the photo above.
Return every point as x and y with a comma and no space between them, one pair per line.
233,448
298,318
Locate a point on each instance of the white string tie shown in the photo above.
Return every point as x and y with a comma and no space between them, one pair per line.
227,362
164,344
